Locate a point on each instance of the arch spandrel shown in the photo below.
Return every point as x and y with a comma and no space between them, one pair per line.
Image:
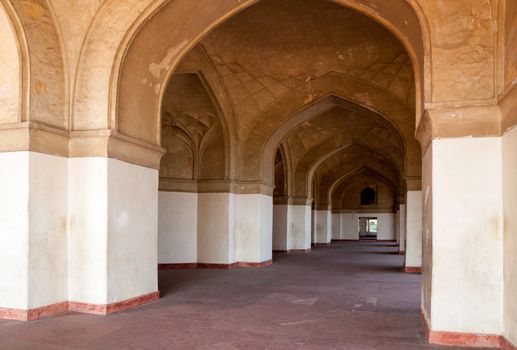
11,64
43,90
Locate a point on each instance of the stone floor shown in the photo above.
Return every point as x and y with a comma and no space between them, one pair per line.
349,295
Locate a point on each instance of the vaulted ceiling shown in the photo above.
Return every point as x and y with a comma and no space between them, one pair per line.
329,86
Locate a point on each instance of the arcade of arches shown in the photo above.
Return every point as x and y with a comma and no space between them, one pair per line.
137,134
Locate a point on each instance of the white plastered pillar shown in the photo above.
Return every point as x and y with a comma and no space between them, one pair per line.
463,228
281,232
396,226
253,228
402,229
113,208
413,231
216,234
322,226
177,227
33,234
336,225
299,224
234,228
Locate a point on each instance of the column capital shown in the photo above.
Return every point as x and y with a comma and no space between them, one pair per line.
456,122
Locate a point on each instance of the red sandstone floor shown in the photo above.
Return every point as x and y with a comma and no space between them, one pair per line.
344,296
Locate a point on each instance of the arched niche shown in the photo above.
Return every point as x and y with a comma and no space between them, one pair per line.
192,131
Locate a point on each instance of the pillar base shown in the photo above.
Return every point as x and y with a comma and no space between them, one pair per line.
293,251
413,269
465,339
72,306
34,314
106,309
214,266
177,266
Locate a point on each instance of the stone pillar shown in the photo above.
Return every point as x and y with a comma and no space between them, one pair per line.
113,208
463,235
396,226
362,227
509,158
281,231
253,229
336,225
413,261
322,225
402,229
177,227
33,235
216,213
299,223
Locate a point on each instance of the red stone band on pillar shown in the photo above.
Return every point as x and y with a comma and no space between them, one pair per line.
413,269
465,339
214,266
33,314
105,309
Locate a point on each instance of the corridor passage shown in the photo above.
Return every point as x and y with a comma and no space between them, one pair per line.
347,295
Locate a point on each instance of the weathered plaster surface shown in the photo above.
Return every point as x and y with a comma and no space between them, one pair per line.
509,147
281,236
414,228
300,226
14,230
216,223
113,230
467,236
177,227
253,228
33,230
